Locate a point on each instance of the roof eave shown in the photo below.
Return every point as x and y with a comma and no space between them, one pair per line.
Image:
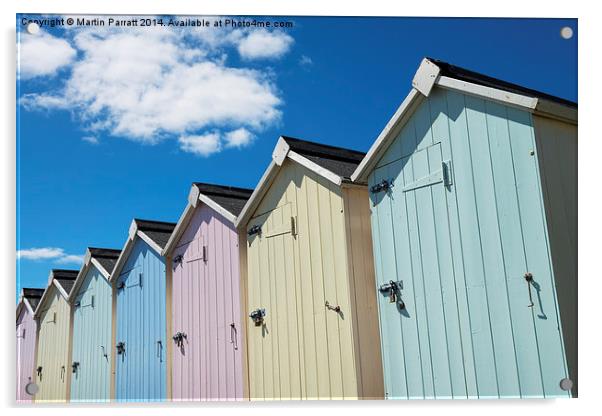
426,78
281,152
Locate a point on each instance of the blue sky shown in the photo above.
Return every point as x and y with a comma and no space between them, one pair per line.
114,124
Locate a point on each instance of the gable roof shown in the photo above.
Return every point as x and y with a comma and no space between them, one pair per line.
33,296
435,73
155,233
104,259
459,73
335,164
29,299
225,200
63,281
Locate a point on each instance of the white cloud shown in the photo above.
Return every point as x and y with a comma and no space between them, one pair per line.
305,61
55,254
90,139
202,145
239,138
263,44
42,54
177,90
70,259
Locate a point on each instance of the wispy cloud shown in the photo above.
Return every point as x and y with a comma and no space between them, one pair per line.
202,145
239,138
263,44
305,61
185,89
55,254
90,139
42,54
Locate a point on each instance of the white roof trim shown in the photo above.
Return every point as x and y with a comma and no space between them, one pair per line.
88,261
106,274
180,227
390,131
61,289
257,194
217,208
28,305
314,167
494,94
425,80
280,153
425,77
149,241
125,252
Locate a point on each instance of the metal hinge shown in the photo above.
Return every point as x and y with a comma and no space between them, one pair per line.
384,185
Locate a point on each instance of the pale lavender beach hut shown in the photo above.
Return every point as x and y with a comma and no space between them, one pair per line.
26,340
207,336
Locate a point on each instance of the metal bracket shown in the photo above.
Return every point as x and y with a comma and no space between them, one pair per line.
257,316
394,291
256,229
384,185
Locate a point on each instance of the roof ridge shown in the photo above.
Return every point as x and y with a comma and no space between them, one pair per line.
458,72
357,155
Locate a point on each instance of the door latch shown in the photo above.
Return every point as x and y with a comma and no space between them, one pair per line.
529,279
74,366
120,348
393,289
257,316
179,338
337,308
385,185
39,371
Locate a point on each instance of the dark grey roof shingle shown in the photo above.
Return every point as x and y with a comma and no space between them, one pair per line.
33,296
107,257
467,75
230,198
158,231
66,278
338,160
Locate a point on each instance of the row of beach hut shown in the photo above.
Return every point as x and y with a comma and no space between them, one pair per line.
441,264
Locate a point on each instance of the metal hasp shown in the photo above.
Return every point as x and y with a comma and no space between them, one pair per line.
177,259
120,348
179,338
337,308
74,366
385,185
256,229
529,279
233,335
121,285
39,371
394,291
257,316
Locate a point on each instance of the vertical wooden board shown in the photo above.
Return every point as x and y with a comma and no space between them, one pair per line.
425,162
329,273
471,248
419,287
489,234
556,143
281,311
309,361
362,287
91,330
319,311
536,242
525,343
253,335
457,338
292,299
399,379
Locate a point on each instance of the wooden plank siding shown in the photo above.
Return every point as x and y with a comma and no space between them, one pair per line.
297,264
461,250
206,302
92,339
140,373
26,348
53,349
